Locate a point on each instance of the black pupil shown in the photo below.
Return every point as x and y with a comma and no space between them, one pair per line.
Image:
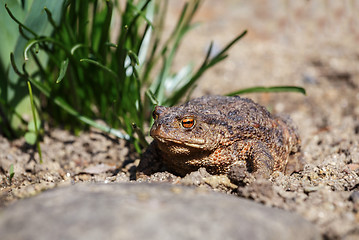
187,123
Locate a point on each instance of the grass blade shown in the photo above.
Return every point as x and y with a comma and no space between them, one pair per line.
35,120
61,103
225,49
141,136
18,22
63,70
269,89
11,173
113,74
206,65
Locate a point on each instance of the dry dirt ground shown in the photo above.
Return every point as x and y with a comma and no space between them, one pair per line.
312,44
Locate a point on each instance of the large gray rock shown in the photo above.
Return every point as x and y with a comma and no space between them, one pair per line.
146,211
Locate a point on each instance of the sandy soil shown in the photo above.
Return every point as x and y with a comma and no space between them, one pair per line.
312,44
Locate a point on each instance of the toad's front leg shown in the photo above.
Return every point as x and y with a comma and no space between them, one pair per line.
253,158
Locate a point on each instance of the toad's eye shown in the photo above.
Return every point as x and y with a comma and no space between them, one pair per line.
188,122
155,115
158,111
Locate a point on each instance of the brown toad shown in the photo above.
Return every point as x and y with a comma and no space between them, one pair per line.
221,134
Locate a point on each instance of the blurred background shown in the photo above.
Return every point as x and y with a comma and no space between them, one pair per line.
285,41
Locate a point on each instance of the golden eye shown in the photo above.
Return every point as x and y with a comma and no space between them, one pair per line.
188,122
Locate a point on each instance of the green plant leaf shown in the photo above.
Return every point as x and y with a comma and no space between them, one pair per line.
63,69
140,135
113,74
62,103
269,89
77,46
9,32
36,20
11,171
178,80
30,138
140,12
207,63
31,126
34,115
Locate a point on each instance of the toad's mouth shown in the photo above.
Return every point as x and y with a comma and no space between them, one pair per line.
196,143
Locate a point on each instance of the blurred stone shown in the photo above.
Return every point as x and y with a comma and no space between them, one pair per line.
147,211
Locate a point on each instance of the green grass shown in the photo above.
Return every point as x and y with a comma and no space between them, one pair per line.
11,173
82,72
